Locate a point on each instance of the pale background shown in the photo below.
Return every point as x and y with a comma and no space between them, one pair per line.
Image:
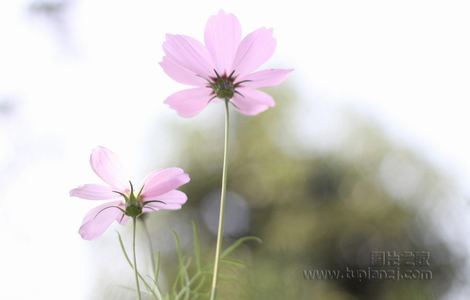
85,73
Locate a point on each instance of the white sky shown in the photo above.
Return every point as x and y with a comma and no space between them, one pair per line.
406,64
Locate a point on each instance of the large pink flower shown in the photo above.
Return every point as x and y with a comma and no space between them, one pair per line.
223,68
157,192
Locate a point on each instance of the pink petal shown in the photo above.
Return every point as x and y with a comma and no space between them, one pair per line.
94,192
190,102
148,209
254,50
99,219
172,200
122,219
265,78
107,166
189,53
180,73
163,181
222,36
252,102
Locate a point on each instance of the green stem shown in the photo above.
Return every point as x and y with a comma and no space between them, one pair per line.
136,273
220,229
152,258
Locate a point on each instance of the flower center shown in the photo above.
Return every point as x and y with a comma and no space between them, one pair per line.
133,210
133,202
223,86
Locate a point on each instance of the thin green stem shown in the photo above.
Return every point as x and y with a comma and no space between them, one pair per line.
220,229
149,288
152,258
136,273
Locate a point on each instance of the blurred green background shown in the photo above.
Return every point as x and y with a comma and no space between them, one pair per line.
326,210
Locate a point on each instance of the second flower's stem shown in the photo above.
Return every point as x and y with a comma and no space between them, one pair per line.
220,229
136,273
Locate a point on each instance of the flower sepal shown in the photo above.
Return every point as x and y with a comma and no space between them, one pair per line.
133,211
134,204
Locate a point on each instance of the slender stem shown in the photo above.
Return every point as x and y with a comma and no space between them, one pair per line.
136,273
220,229
152,258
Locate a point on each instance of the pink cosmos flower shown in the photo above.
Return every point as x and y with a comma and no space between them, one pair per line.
223,68
157,192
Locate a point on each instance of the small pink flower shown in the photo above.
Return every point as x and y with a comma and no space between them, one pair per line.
223,68
157,192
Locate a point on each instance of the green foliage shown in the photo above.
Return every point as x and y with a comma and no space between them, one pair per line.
193,273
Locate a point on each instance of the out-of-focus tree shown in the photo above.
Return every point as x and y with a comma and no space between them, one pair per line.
313,209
